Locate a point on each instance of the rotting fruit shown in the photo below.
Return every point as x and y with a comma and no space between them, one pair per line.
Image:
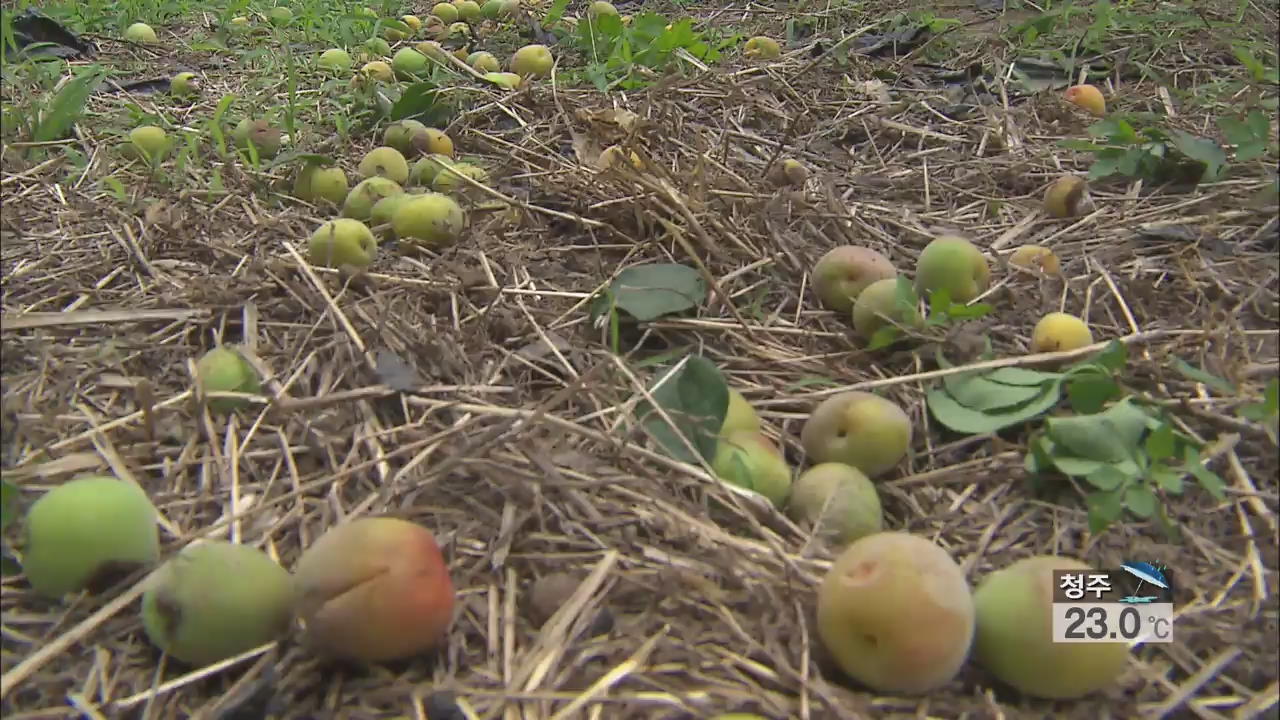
1059,331
1014,639
761,47
739,415
342,241
264,138
1035,257
953,264
140,33
375,589
878,304
896,614
860,429
86,532
224,369
385,162
843,272
431,219
1087,97
788,172
534,60
750,460
360,200
615,156
838,501
315,183
216,599
1066,196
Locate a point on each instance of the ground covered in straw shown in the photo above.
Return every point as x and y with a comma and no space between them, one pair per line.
517,444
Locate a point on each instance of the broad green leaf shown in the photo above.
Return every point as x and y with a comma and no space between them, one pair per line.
1113,357
66,107
1201,150
1160,444
1109,436
1021,376
1191,372
695,396
1090,392
1207,478
1140,500
979,393
1169,479
884,337
959,311
8,503
647,292
1107,477
961,419
1105,165
422,101
1104,508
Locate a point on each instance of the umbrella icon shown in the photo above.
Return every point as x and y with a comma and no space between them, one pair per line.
1146,573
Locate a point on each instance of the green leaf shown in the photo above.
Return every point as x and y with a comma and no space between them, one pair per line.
1191,372
1021,376
979,393
1169,479
884,337
1201,150
1256,69
962,419
960,311
1140,500
8,503
1113,357
67,106
555,12
1109,436
422,101
1268,409
1107,477
1160,444
647,292
1090,392
695,396
1104,166
1207,478
1104,508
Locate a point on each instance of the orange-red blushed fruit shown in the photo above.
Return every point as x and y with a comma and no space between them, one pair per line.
1087,97
375,589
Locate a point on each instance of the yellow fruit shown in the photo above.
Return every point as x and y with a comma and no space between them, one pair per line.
504,80
1087,97
385,162
841,275
377,70
953,264
788,172
613,156
600,8
839,501
896,614
447,12
431,219
532,60
1065,196
1035,257
1060,331
223,369
878,304
340,242
483,62
438,143
761,48
413,21
1014,638
750,460
860,429
739,416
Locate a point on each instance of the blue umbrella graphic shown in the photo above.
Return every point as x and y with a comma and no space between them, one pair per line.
1146,573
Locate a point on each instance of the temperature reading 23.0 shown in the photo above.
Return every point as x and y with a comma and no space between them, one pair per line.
1132,604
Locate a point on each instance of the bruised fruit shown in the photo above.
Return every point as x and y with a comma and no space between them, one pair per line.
216,599
739,415
535,60
860,429
365,194
761,47
844,272
1014,638
374,589
140,33
953,264
896,614
750,460
224,369
1066,196
1036,257
431,219
878,305
343,241
1087,97
483,62
838,501
87,532
385,162
258,133
408,63
1060,331
377,70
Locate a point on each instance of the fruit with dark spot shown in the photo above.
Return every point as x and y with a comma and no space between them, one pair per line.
260,134
1014,638
860,429
838,501
1060,331
843,272
214,600
953,264
385,162
224,369
375,589
895,613
880,305
750,460
1036,257
1066,196
86,533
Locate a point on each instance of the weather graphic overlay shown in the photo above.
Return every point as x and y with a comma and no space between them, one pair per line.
1133,604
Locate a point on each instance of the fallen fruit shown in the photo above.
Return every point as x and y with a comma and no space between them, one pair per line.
378,47
1066,196
280,16
140,33
841,275
384,210
860,429
788,172
335,60
600,7
424,171
447,12
438,143
1035,257
432,219
395,34
1014,639
468,10
342,241
615,156
328,184
149,143
532,60
408,63
413,21
184,84
409,137
459,30
377,70
239,23
483,62
750,460
896,614
386,162
495,9
739,416
374,589
366,12
878,305
214,600
264,138
360,200
433,51
1087,97
953,264
504,80
1060,331
761,48
839,501
87,532
224,369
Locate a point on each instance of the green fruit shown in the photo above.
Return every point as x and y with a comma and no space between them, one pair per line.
1014,639
259,133
600,8
895,613
342,242
214,600
881,300
860,429
425,170
334,60
495,9
223,369
149,143
458,30
750,460
378,46
409,62
841,275
483,62
447,12
532,60
953,264
360,201
140,33
468,10
409,137
431,219
87,532
838,501
739,415
385,162
184,84
280,16
385,209
316,183
367,12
